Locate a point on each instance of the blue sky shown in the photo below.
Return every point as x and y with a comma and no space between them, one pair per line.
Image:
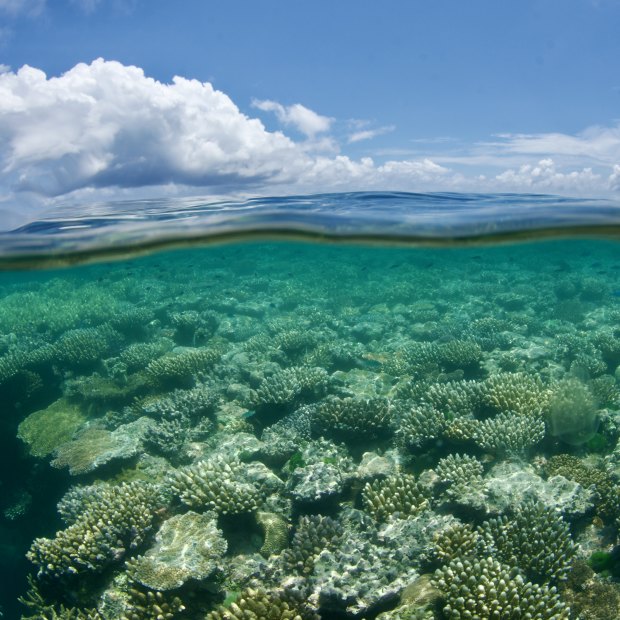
273,97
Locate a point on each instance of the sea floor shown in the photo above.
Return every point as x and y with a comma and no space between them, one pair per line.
304,431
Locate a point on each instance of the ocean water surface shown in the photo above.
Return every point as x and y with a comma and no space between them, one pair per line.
342,406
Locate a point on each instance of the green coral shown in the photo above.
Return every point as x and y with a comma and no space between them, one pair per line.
216,484
354,417
517,392
484,588
399,495
263,605
149,605
112,521
275,532
536,539
43,431
572,416
180,369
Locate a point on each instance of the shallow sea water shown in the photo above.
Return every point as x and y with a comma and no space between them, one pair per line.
294,429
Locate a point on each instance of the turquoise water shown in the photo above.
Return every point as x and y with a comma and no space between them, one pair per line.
278,428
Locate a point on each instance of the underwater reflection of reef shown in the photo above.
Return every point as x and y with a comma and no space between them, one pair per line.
315,432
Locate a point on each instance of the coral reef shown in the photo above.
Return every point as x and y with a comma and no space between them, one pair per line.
241,437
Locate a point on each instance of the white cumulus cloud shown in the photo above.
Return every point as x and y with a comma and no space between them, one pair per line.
106,124
298,116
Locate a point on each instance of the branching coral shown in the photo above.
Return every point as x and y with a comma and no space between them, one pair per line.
290,387
313,534
262,605
535,538
518,392
110,521
486,588
216,484
417,424
398,495
354,417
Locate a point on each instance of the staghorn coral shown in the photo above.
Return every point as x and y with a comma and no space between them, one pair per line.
138,355
113,520
418,358
535,539
289,387
517,392
458,473
148,605
85,346
284,438
414,359
485,588
263,605
509,433
399,495
417,424
607,341
459,354
217,484
454,398
192,404
313,534
43,610
353,417
179,369
460,540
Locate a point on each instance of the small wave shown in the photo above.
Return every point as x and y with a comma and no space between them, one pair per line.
114,229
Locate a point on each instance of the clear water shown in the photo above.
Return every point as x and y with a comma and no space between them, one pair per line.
358,428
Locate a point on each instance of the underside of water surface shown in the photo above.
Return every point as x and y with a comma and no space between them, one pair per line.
294,430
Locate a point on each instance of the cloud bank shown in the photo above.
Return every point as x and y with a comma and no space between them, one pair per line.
106,130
